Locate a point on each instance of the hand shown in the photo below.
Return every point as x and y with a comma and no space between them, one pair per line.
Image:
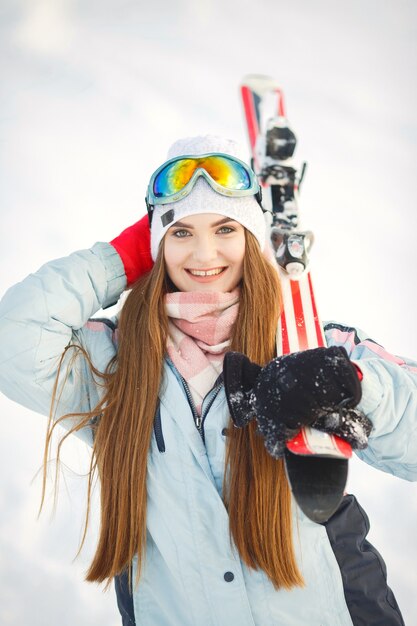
134,248
291,392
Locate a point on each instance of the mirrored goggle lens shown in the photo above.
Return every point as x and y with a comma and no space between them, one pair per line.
225,172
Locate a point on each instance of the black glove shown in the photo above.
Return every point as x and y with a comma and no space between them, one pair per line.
293,391
349,424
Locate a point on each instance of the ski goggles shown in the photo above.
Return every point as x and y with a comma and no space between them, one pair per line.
175,178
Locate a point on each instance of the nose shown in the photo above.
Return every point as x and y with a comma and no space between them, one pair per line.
205,249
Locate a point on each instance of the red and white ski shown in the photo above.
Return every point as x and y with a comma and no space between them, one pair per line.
316,462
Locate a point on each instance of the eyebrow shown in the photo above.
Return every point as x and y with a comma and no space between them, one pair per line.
219,223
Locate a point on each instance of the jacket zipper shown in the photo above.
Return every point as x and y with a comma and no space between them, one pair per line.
215,392
199,419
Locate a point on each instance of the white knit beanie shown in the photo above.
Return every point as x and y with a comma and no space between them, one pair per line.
203,199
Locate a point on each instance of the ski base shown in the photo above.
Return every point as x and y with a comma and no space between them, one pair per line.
317,483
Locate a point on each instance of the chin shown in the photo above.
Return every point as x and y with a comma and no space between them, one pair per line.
213,288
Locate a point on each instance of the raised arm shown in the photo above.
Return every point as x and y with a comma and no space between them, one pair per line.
43,314
51,309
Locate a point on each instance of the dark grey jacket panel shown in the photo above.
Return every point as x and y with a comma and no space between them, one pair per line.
369,599
124,599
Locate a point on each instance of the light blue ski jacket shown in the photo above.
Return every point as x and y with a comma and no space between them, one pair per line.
192,576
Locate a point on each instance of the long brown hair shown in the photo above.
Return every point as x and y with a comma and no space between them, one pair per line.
256,490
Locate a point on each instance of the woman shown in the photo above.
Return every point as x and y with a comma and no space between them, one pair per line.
197,522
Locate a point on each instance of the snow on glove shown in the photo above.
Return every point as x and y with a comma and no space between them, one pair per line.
293,391
134,248
349,424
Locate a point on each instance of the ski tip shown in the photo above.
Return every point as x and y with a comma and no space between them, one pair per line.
260,83
317,484
255,77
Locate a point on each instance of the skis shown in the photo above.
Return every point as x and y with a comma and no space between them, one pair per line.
316,463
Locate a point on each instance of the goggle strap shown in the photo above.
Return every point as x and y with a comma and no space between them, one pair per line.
149,208
258,198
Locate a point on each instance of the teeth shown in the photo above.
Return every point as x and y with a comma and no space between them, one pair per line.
208,273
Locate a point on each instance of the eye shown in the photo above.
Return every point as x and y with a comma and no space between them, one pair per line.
180,234
225,230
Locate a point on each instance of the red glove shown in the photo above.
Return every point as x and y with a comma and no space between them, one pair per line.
134,248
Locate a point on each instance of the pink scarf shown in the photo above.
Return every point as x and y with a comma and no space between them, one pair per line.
199,329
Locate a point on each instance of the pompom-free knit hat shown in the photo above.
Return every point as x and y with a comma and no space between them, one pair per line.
203,199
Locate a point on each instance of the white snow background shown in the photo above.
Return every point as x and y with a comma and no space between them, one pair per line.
91,96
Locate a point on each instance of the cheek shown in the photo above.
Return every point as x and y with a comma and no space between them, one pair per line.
172,254
167,253
239,267
170,260
236,251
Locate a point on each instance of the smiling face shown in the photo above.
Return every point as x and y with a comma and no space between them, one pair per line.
205,253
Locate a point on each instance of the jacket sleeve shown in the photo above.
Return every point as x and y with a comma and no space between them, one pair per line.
47,311
389,399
